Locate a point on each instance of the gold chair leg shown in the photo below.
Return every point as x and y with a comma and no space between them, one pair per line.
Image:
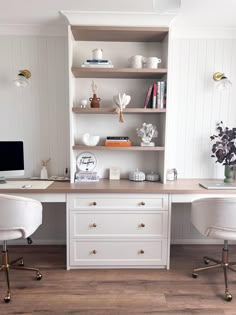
16,260
5,267
224,263
207,268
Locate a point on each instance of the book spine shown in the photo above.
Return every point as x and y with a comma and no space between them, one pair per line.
162,92
118,138
158,94
154,96
97,60
148,96
118,144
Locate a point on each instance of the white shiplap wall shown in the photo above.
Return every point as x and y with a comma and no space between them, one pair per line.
195,106
38,114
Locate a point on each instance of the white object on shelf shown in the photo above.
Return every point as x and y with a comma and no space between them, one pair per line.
44,173
97,53
90,140
152,177
114,173
137,176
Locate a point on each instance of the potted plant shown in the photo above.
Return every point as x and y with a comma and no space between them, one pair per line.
224,149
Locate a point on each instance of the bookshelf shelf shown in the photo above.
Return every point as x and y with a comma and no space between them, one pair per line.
119,73
79,110
106,148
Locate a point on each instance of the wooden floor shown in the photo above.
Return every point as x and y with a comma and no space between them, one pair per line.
117,292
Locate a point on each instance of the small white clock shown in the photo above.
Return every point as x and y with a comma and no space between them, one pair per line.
86,161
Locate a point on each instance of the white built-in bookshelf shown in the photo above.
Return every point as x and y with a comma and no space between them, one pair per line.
118,45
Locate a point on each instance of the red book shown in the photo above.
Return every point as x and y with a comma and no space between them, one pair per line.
148,97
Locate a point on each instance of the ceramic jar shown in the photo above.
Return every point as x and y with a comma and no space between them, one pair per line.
137,176
151,62
136,61
97,53
95,101
152,177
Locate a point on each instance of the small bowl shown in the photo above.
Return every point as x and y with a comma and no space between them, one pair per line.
90,140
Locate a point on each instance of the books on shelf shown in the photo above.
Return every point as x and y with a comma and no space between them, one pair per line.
118,141
95,63
117,138
156,95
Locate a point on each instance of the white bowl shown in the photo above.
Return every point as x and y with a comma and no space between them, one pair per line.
90,140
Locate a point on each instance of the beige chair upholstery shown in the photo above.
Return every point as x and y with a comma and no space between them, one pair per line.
19,218
215,218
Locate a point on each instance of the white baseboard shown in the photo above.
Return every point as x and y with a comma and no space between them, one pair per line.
36,242
198,242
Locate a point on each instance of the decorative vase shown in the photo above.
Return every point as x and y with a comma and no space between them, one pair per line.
229,174
94,101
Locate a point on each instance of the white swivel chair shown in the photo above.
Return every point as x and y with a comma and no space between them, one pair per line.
19,217
216,218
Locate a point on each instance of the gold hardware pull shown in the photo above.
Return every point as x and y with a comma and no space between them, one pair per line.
142,225
94,252
94,225
141,251
94,203
142,203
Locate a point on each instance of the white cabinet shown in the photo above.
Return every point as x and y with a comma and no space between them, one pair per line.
118,44
118,230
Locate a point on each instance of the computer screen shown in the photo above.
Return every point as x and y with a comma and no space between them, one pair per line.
11,159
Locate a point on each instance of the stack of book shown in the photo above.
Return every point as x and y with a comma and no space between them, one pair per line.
119,141
86,176
97,63
156,96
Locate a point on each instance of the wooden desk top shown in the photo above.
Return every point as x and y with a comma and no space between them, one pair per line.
181,186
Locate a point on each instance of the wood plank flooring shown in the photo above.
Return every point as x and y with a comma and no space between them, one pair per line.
118,292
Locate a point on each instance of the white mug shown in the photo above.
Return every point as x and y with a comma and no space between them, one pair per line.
136,61
152,62
97,53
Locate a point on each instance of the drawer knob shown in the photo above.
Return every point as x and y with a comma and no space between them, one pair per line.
94,225
94,203
142,203
141,251
94,252
142,225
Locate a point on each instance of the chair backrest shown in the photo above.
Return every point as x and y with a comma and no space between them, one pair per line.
215,217
19,217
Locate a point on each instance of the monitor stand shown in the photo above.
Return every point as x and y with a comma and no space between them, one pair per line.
2,180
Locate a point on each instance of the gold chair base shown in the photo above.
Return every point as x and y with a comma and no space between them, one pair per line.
224,264
5,267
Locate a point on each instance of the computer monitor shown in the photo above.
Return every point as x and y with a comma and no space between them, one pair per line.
11,159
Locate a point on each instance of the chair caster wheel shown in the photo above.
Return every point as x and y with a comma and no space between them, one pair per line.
206,261
7,298
228,296
39,276
194,275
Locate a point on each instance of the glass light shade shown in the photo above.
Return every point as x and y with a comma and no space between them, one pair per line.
223,84
21,81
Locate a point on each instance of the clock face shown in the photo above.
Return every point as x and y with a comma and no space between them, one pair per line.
86,161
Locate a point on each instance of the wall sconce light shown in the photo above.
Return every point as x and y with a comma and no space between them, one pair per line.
22,78
222,82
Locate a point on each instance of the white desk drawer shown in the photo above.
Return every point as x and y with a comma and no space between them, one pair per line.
118,201
118,253
113,224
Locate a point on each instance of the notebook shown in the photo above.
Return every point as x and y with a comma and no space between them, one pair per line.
219,185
